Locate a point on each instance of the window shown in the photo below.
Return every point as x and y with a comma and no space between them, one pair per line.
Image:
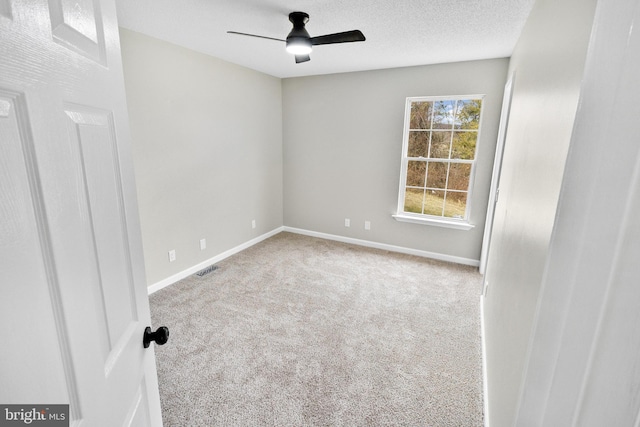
438,158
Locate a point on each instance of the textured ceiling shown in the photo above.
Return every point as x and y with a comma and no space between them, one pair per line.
399,33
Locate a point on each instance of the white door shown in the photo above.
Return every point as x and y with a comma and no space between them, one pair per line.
73,301
495,177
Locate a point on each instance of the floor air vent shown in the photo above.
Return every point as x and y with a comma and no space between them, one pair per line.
207,270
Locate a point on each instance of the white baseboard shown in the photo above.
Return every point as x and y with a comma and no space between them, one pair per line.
226,254
192,270
485,384
384,246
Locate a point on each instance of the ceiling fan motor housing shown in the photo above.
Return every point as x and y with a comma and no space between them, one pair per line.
299,36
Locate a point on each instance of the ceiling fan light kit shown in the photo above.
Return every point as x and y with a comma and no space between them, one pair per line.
299,42
298,47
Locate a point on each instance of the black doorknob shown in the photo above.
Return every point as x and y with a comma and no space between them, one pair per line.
160,336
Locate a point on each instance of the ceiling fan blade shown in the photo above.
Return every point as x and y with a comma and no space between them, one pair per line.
344,37
254,35
302,58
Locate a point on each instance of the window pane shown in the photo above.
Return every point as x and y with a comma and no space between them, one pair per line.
433,202
413,200
455,205
416,172
464,145
420,115
418,144
440,144
459,174
437,174
456,114
443,114
467,115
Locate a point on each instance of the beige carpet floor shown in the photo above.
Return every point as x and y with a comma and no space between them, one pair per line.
300,331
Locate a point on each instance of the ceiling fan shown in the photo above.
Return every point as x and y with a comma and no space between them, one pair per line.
299,43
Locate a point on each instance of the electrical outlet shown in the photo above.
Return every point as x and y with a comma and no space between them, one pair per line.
486,288
253,223
347,222
203,244
172,255
367,225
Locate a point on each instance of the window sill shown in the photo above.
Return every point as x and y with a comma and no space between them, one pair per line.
457,225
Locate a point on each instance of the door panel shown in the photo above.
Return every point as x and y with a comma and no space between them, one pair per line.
35,372
77,24
93,135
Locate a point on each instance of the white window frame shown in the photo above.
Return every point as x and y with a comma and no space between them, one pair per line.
427,219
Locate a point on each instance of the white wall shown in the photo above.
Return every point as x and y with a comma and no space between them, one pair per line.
207,141
548,62
583,370
343,143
